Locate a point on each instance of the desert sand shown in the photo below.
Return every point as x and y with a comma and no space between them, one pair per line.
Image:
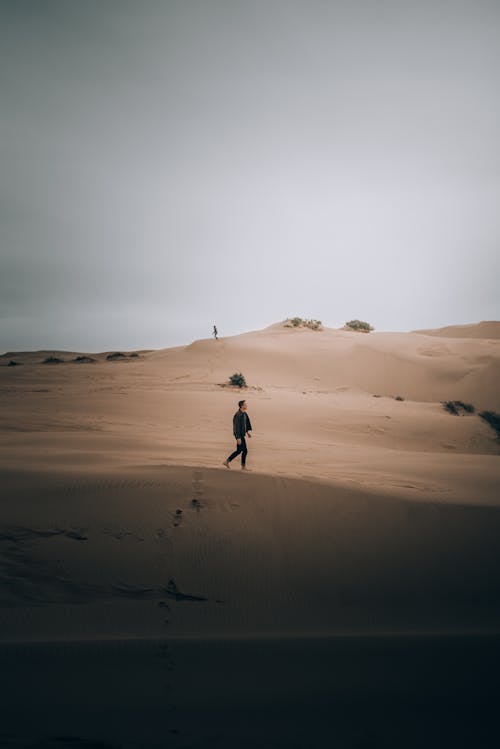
369,511
484,329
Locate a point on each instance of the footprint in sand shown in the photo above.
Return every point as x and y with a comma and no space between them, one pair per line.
197,489
197,483
196,503
165,656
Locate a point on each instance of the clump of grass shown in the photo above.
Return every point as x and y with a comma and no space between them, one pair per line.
398,398
458,407
313,324
52,360
13,363
84,359
299,322
116,355
134,355
359,325
493,419
238,380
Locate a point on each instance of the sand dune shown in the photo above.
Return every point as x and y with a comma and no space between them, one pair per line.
363,513
189,551
485,329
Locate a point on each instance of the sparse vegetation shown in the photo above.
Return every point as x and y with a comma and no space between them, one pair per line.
116,355
13,363
84,359
298,322
238,380
458,407
398,398
52,360
134,355
493,419
359,325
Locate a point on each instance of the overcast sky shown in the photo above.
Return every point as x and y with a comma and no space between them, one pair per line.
170,165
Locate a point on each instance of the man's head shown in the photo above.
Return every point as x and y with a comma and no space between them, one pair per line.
242,405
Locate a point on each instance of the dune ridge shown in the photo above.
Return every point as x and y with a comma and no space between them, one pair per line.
484,329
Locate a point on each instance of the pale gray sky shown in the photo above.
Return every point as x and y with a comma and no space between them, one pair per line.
168,165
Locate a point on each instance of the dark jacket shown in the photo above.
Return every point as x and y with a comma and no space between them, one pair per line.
241,424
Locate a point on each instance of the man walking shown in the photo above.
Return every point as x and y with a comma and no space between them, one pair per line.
241,427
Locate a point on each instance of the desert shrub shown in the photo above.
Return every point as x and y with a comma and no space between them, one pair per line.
116,355
360,325
468,407
13,363
457,407
493,419
297,322
52,360
134,355
399,398
84,359
238,380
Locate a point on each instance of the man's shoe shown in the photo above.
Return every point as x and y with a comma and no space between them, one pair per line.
244,468
226,463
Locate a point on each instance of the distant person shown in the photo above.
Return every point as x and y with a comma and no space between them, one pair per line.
241,427
215,332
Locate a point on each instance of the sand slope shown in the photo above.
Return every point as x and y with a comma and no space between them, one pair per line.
362,513
189,552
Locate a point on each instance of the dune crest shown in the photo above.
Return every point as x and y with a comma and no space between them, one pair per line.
484,329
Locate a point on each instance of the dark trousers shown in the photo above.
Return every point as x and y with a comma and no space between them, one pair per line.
240,449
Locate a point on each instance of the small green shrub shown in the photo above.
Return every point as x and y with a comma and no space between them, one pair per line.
399,398
359,325
116,355
457,407
52,360
13,363
84,359
313,324
298,322
238,380
493,419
